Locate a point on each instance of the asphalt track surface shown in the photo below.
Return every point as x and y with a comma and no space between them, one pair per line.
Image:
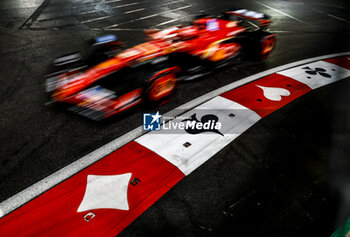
280,178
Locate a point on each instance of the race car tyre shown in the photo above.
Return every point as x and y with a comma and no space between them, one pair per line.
263,45
161,86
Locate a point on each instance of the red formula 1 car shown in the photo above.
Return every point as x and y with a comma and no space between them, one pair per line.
111,80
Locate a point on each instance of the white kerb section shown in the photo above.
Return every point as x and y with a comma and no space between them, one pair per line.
234,118
317,74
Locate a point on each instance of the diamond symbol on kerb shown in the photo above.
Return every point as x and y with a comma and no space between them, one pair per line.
106,191
274,93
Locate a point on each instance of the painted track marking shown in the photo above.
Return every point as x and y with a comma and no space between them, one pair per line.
136,10
283,13
159,5
95,19
145,17
131,4
119,6
52,180
330,15
338,18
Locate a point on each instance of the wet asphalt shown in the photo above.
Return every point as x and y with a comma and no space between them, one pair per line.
285,176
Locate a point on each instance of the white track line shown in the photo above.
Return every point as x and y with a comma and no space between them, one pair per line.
178,19
165,22
176,9
95,19
105,17
45,184
113,1
129,4
119,6
136,10
149,16
283,13
330,15
284,31
141,9
96,3
170,21
93,11
119,29
338,18
145,17
255,25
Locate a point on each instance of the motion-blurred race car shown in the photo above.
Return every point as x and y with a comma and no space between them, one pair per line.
110,80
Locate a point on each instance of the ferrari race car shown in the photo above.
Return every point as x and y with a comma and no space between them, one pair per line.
110,80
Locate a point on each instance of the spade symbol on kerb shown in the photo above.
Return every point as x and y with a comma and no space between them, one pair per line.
317,70
274,93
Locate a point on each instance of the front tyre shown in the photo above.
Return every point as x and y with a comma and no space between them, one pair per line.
161,86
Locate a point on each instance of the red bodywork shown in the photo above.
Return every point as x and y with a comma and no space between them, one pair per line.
204,39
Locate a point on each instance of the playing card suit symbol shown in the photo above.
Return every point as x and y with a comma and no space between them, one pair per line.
317,70
106,191
274,93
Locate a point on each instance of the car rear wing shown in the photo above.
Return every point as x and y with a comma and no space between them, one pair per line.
263,19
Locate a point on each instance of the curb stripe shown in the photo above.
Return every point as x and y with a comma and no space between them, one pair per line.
340,61
45,184
57,209
252,96
15,216
317,74
188,151
262,96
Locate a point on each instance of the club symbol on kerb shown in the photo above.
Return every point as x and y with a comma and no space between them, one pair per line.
317,70
274,93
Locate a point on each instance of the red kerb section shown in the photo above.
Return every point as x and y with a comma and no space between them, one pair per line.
54,213
265,101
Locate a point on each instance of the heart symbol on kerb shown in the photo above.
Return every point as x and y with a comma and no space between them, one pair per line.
274,93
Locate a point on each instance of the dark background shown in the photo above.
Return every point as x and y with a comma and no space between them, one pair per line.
285,176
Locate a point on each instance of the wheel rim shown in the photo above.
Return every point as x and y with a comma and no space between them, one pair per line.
162,88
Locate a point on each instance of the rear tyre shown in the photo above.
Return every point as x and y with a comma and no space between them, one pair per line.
263,45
